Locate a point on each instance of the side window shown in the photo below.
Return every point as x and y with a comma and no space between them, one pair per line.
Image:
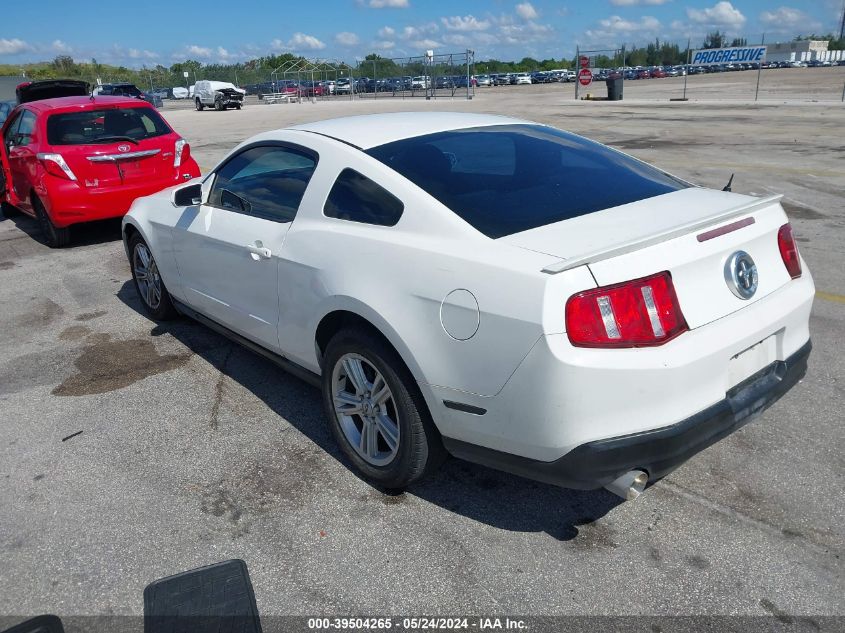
267,182
9,135
357,198
26,128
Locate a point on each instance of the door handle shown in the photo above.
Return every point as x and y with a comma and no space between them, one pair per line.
259,252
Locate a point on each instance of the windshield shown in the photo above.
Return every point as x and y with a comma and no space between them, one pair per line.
510,178
105,125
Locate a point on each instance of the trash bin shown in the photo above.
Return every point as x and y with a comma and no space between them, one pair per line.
614,89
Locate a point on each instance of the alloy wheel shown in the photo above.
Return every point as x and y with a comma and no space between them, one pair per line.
147,276
365,409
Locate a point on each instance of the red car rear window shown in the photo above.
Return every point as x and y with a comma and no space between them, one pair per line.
104,126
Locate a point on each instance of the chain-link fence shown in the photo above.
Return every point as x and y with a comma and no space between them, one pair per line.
430,76
749,67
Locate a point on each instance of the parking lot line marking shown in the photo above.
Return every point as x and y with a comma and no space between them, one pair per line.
829,296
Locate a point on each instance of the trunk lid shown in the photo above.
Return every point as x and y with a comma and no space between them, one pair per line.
673,232
109,164
50,89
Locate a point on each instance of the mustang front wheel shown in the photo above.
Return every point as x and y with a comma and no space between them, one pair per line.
376,412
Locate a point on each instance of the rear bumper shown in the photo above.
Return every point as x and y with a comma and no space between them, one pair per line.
71,203
658,451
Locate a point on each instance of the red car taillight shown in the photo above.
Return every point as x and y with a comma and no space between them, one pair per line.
639,313
55,164
789,251
181,152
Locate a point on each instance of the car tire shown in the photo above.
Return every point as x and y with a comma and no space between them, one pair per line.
199,105
238,107
401,416
218,105
148,282
8,210
53,236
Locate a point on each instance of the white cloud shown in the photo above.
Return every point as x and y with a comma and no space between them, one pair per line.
383,45
345,38
386,32
223,55
787,19
302,41
634,3
13,46
720,14
426,44
457,39
388,4
466,23
615,26
60,47
524,33
526,11
201,52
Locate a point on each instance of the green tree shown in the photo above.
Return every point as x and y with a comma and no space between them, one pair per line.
714,40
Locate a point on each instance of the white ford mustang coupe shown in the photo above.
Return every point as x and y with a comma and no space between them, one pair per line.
487,287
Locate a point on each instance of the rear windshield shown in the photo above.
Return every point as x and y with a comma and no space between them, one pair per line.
104,126
510,178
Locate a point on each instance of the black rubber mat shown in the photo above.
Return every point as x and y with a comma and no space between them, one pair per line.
40,624
218,598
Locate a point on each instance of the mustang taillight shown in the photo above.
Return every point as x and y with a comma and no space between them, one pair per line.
639,313
55,164
789,251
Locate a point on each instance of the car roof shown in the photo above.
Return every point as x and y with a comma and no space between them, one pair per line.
371,130
83,103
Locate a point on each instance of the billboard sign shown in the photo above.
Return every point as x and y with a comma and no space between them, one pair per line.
728,55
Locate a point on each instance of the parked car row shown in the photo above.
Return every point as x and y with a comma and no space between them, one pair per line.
69,156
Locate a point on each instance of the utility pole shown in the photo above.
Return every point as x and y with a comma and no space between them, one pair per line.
842,24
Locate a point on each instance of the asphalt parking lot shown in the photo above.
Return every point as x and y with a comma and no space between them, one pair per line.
193,450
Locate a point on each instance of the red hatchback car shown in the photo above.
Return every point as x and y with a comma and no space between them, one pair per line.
67,160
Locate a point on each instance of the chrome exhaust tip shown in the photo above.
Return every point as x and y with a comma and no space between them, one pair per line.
630,485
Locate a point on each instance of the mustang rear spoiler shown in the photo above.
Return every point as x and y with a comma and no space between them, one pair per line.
677,231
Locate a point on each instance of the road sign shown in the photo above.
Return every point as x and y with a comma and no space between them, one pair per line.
185,74
584,61
585,77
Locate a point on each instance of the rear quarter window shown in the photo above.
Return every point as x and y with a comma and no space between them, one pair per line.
356,198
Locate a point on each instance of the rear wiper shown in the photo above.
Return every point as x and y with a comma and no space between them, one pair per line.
106,139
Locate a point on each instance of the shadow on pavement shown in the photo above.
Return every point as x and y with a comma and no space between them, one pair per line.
85,234
482,494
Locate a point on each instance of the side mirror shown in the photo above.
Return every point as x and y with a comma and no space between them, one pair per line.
188,196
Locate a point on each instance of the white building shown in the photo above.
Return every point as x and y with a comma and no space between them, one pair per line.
802,51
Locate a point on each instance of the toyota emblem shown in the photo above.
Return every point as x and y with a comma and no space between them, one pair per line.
123,148
741,275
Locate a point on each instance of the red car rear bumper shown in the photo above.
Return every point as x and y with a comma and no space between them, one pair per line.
69,202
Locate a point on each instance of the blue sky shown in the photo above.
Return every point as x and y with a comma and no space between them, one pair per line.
165,31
